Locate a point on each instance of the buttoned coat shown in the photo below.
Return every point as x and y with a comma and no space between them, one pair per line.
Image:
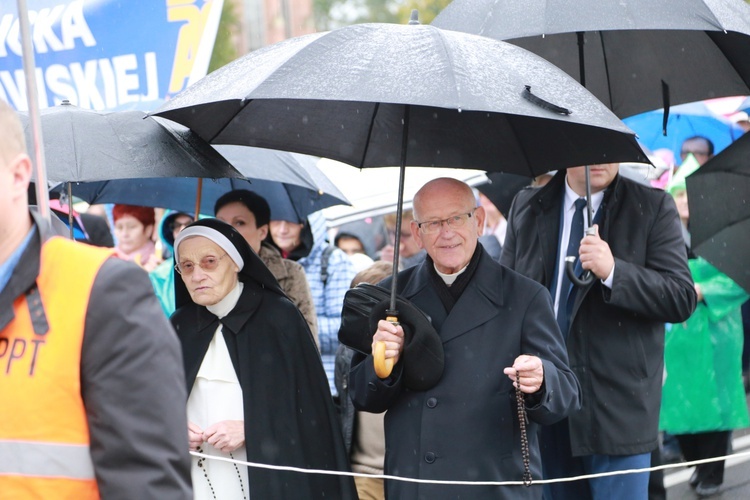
466,427
616,338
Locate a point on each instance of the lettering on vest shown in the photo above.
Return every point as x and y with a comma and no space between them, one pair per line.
19,352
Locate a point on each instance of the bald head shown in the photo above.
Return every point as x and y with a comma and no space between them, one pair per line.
12,142
439,188
450,223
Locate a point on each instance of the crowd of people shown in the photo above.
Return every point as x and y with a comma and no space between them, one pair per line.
219,334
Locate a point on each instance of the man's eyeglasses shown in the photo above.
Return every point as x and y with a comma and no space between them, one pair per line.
208,263
434,226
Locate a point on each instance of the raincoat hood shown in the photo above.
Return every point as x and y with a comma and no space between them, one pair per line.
363,231
308,238
165,233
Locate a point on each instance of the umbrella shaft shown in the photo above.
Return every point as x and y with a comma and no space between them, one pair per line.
589,204
42,196
399,209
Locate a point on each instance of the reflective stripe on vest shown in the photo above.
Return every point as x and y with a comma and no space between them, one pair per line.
28,458
44,434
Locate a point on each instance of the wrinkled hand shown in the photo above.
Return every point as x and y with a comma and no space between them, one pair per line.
227,435
195,436
393,336
699,292
595,255
530,373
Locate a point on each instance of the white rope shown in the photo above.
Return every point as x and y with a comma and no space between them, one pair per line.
469,483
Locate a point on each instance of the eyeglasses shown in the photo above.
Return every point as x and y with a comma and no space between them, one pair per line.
208,263
179,225
434,226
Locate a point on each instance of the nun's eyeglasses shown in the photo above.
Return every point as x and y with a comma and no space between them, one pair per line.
208,263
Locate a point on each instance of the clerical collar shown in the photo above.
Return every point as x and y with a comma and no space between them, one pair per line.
449,278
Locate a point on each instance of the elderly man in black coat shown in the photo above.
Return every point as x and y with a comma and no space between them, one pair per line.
493,324
614,326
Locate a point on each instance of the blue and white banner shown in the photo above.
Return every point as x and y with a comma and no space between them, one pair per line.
108,54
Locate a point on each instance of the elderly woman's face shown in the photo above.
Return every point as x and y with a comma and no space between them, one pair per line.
207,271
131,233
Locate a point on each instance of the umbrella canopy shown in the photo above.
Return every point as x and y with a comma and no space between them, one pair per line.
292,184
685,121
389,95
634,56
287,201
82,145
280,166
719,204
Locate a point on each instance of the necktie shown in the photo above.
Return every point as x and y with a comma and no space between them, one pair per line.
576,235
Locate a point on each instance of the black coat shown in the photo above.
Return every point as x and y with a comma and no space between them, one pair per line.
466,427
289,416
616,338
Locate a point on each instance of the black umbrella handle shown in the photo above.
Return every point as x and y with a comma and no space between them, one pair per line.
570,261
586,279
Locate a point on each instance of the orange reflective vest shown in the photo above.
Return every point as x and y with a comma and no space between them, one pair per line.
44,435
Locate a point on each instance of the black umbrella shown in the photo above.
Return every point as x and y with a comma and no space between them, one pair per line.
375,95
719,204
287,201
82,145
634,56
292,184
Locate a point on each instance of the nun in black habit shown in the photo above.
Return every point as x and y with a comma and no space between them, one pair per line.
243,339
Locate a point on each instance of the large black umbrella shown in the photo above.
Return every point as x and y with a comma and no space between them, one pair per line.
374,95
719,203
634,56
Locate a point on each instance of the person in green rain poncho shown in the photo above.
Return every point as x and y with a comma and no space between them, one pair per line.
703,398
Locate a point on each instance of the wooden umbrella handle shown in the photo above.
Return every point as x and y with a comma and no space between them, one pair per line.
383,365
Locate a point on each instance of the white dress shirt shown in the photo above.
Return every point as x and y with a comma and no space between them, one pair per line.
569,209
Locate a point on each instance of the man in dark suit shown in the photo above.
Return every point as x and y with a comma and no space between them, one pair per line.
492,323
614,326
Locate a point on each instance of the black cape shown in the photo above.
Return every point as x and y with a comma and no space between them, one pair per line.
289,414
